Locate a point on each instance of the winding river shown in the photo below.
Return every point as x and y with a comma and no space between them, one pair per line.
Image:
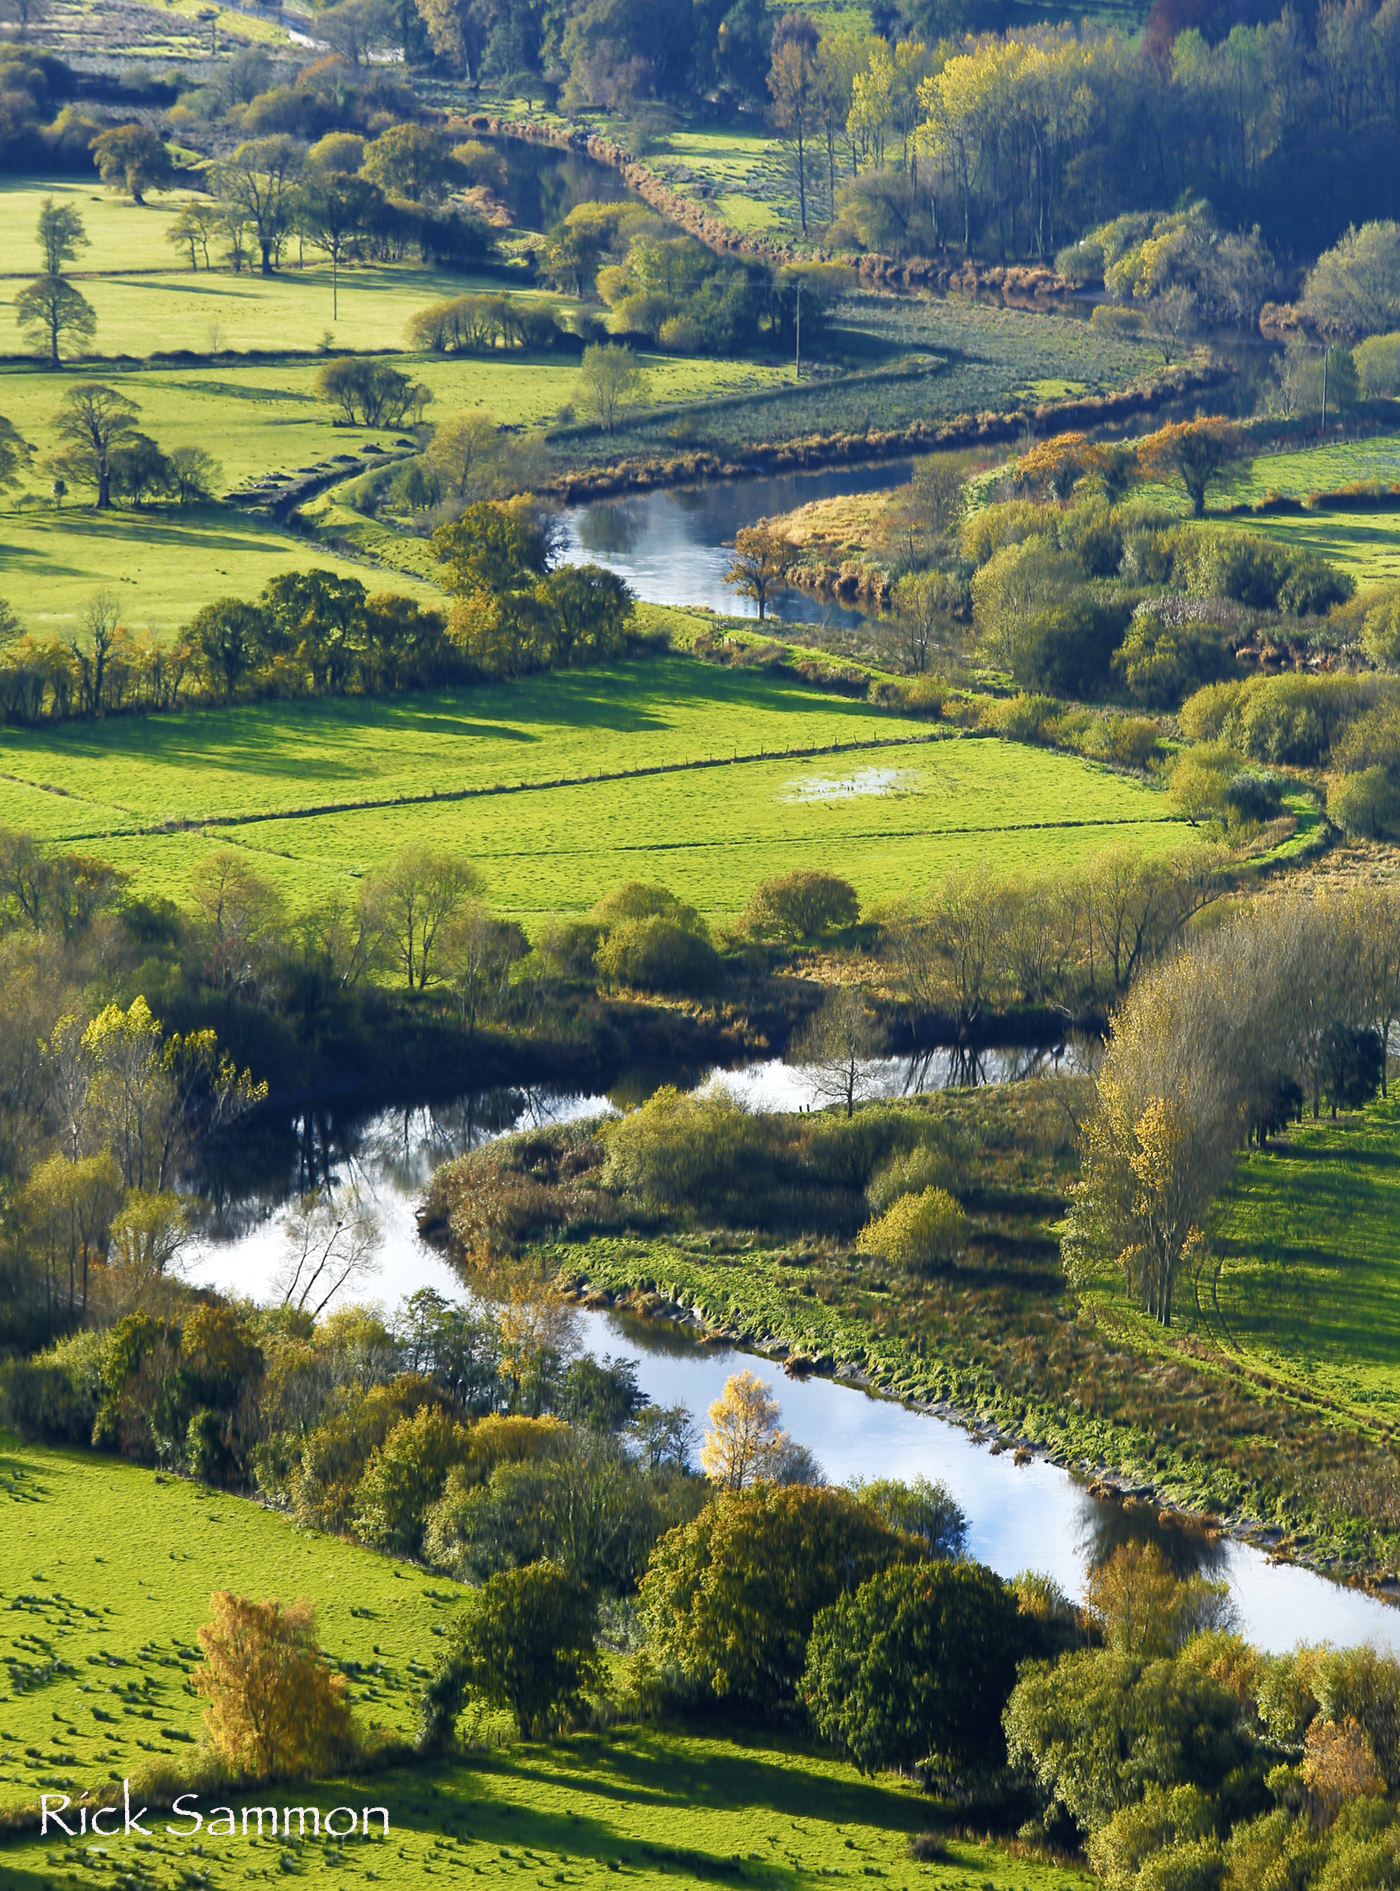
1034,1515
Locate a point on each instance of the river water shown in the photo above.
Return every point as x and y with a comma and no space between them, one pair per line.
672,547
1034,1516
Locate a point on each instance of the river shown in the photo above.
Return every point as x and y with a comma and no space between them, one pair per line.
1029,1516
672,547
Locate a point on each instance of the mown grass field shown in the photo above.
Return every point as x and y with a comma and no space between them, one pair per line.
888,819
160,565
1307,1244
107,1571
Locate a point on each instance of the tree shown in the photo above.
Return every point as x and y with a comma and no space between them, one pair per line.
525,1642
1197,452
730,1598
51,310
192,474
1354,288
477,954
371,393
928,511
945,952
68,1205
61,235
1099,1729
198,221
408,161
836,1046
793,83
93,420
328,1244
134,159
801,906
228,637
138,467
405,1476
1171,319
416,893
1145,1611
275,1710
609,382
149,1233
15,453
918,1663
762,559
256,183
745,1443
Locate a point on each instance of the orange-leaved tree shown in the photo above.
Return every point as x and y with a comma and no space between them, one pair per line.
1196,452
275,1709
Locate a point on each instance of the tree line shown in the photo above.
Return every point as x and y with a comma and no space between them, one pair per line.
316,633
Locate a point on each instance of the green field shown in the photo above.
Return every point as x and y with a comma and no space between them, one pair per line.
1308,1243
107,1572
890,820
161,565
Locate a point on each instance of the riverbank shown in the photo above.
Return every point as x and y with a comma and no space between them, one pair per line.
998,1341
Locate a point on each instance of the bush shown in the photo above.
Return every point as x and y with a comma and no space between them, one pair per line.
1161,663
1378,366
681,336
658,955
1366,804
405,1477
918,1232
1204,715
677,1150
1070,646
801,906
922,1167
1022,718
918,1662
1250,796
53,1397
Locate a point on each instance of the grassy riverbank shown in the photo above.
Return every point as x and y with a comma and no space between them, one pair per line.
1000,1339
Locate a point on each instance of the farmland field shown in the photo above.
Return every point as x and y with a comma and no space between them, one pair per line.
1308,1245
889,820
108,1572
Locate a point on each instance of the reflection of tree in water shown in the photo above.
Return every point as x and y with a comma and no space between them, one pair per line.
1186,1548
543,185
665,1337
960,1067
612,528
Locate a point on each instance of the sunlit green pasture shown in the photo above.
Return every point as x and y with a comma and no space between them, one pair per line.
106,1570
650,1808
161,565
1367,544
889,820
1307,1237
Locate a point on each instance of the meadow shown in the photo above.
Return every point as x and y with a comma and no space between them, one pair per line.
1304,1281
108,1571
890,819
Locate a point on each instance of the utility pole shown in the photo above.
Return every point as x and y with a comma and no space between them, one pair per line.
798,374
1326,356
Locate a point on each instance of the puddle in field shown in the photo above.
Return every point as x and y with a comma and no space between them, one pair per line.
865,781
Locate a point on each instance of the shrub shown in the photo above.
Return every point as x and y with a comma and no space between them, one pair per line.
922,1167
1366,803
1162,663
1069,647
405,1476
1378,366
55,1395
681,336
658,954
801,906
1250,796
1011,522
677,1150
1204,715
918,1662
1022,718
917,1232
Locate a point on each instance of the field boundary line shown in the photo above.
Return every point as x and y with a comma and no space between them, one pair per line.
490,788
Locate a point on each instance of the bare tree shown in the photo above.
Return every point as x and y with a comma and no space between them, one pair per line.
329,1245
836,1046
257,183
